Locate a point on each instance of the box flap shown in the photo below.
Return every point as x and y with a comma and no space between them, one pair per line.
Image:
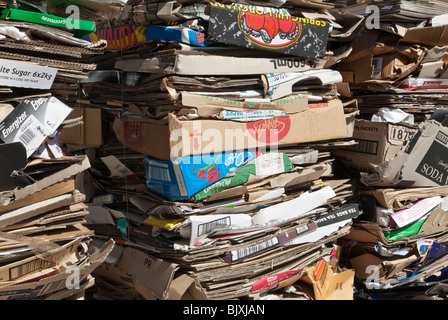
430,36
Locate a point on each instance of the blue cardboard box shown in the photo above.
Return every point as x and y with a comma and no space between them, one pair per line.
185,176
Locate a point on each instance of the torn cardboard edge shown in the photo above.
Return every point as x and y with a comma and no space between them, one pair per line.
429,36
325,285
380,57
80,163
421,164
65,186
15,271
56,282
89,132
279,85
398,198
151,277
37,208
377,142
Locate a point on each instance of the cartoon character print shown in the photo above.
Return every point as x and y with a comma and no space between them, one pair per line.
267,26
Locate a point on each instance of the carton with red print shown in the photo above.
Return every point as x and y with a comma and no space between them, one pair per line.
268,29
183,177
172,138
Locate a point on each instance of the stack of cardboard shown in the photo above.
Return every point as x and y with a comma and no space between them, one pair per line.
396,74
45,245
212,135
235,133
228,243
40,56
397,247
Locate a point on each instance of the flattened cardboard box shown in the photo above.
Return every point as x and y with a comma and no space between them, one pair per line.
76,165
16,272
187,64
430,36
209,105
257,29
182,178
171,138
151,277
55,282
424,163
377,142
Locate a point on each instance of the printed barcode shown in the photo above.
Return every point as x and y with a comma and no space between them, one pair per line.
23,269
241,253
367,146
27,136
213,225
158,173
301,229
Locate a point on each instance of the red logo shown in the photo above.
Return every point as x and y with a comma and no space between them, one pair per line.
268,29
270,130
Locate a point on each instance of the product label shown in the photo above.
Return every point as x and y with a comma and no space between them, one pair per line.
247,116
434,165
399,134
33,121
268,164
191,174
417,211
253,27
26,75
272,280
270,130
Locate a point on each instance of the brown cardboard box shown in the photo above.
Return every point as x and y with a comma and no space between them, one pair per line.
375,57
18,197
185,62
377,142
58,281
423,163
429,36
207,106
172,138
326,285
89,133
390,65
149,276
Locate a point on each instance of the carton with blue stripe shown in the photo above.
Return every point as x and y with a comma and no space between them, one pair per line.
183,177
